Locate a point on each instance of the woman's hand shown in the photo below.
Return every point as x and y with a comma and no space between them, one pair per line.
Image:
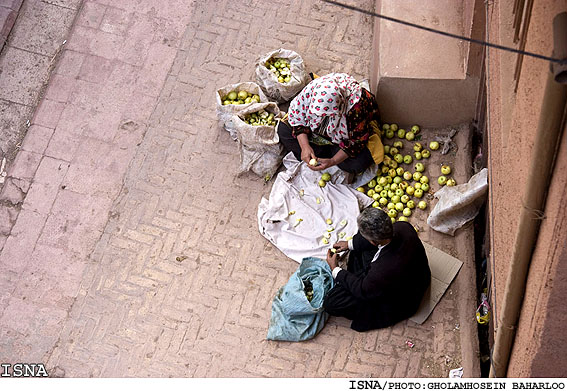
322,164
307,154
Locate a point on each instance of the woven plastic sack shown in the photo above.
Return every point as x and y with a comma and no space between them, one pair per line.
459,204
294,317
260,150
225,112
267,80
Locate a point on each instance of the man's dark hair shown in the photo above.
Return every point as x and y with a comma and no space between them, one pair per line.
375,225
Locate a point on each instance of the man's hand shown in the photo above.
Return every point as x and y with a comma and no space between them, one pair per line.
332,259
341,246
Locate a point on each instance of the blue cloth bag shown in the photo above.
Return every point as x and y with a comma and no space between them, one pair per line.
294,318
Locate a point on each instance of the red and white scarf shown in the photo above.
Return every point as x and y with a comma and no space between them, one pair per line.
326,101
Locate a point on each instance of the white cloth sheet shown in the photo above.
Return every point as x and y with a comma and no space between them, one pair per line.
337,202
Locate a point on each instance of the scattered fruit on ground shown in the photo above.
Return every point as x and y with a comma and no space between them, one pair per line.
434,145
425,154
408,159
442,180
422,204
419,167
417,147
445,169
361,189
385,127
398,144
403,218
372,183
389,133
417,155
408,176
392,213
425,187
411,204
451,182
410,136
394,127
406,212
418,193
424,179
417,176
402,133
375,204
415,129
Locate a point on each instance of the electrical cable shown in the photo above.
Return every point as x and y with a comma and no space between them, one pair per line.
446,34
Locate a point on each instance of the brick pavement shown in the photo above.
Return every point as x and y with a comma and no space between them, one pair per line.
128,171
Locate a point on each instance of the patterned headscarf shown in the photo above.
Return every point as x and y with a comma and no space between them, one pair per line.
326,101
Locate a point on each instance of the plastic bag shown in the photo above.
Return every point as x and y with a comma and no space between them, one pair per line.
458,204
225,112
268,81
294,317
260,150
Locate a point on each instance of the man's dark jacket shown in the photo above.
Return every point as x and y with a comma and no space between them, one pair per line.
390,289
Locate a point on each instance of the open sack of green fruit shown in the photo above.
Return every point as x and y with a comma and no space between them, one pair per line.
234,98
297,308
281,74
308,211
258,141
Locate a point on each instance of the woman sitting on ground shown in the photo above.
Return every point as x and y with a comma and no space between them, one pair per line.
332,120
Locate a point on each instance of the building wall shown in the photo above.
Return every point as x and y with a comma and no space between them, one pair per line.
425,78
513,121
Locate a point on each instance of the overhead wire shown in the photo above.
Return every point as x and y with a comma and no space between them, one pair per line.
447,34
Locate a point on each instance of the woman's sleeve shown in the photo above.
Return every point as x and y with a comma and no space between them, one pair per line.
297,130
358,123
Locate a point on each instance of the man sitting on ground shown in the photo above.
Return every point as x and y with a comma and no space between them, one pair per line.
387,274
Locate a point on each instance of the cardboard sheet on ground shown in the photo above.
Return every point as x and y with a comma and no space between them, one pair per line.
337,202
444,268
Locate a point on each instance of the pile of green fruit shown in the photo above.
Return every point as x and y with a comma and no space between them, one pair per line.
260,118
280,67
240,98
396,189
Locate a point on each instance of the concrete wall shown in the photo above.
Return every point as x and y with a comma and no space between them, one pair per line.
538,348
421,77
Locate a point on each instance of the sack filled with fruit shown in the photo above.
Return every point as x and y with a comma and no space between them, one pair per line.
234,98
281,74
258,140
